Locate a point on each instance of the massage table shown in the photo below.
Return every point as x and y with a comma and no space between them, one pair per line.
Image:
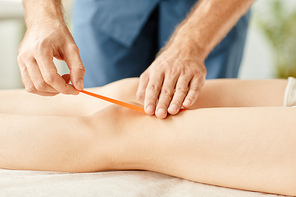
116,183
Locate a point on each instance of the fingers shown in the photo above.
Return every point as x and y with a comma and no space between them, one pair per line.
27,82
37,79
40,45
165,96
194,88
180,93
177,92
50,74
143,82
152,92
39,74
167,93
77,70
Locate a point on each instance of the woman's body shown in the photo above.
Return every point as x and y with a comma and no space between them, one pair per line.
249,148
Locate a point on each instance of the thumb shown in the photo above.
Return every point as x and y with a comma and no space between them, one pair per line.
76,67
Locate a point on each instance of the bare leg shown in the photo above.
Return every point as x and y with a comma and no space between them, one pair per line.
49,143
234,147
241,93
21,102
215,93
245,148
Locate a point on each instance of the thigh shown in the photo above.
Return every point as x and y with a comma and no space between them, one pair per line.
22,102
232,147
120,48
241,93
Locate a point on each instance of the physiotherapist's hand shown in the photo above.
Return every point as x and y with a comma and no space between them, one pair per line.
173,80
42,42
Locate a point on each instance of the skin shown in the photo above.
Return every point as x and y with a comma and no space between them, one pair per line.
232,143
177,75
48,37
173,80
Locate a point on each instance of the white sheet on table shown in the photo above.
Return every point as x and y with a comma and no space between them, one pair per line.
117,183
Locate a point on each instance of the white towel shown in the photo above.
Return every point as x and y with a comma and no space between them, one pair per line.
290,93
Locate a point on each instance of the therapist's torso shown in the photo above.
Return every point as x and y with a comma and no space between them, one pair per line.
105,29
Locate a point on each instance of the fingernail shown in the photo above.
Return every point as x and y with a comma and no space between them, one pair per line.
173,107
150,109
186,103
161,111
80,84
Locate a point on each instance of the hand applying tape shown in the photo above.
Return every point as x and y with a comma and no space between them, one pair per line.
117,102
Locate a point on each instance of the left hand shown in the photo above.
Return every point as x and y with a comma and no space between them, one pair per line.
173,80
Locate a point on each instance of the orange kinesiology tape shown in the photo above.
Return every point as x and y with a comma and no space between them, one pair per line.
117,102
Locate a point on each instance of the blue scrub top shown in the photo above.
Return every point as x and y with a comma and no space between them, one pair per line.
120,38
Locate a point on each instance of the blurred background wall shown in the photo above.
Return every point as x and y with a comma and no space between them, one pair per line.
272,33
259,60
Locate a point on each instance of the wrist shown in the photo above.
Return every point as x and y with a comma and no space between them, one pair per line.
188,43
197,38
42,12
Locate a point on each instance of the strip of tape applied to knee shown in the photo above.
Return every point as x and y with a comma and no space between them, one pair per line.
117,102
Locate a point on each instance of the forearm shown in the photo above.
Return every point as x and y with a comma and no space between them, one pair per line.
207,24
42,11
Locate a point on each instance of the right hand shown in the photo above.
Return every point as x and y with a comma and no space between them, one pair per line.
41,43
